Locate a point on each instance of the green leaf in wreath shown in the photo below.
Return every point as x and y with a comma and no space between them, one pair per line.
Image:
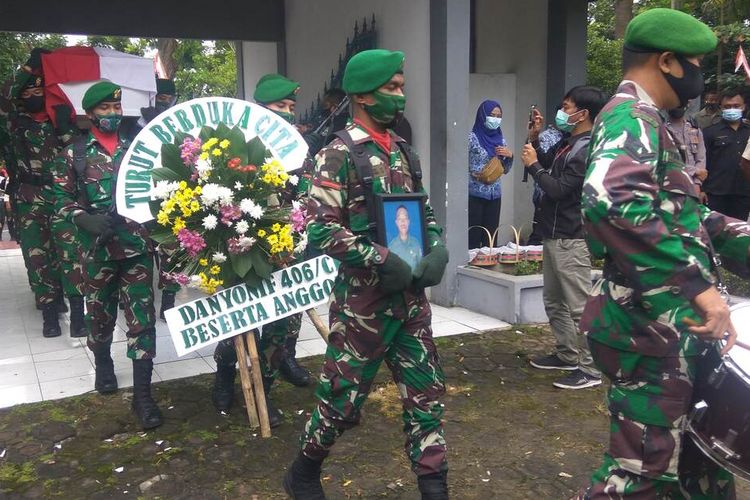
170,158
222,131
257,152
161,234
237,148
154,206
206,133
260,263
179,137
241,263
165,174
252,279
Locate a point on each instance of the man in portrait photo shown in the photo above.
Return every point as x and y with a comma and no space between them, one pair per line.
405,245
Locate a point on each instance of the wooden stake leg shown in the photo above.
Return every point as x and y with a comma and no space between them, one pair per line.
318,323
257,379
247,384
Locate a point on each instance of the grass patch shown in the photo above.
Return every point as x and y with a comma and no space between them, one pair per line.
14,476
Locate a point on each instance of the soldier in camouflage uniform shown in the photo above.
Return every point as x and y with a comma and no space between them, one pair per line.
657,306
379,310
277,344
35,141
119,262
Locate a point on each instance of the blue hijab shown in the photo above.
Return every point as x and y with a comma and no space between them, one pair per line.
488,138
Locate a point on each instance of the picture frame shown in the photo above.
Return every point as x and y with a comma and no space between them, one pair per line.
401,225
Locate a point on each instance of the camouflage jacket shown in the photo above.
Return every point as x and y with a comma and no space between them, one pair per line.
337,212
32,145
130,238
642,215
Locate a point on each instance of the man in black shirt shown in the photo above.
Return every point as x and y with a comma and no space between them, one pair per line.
560,172
727,189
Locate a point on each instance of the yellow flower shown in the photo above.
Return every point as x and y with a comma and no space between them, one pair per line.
209,143
203,262
198,190
183,185
178,225
261,233
276,228
216,152
273,239
186,212
195,206
224,144
215,269
204,154
162,218
169,206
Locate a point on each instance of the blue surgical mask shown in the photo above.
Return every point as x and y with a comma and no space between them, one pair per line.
493,122
731,114
561,120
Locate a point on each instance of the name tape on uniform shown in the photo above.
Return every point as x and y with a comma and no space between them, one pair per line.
241,308
134,183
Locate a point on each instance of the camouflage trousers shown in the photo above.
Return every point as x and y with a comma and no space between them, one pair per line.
129,281
367,328
271,347
40,257
65,238
649,456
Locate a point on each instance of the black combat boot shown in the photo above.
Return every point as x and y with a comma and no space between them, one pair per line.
434,486
302,480
275,417
144,406
77,325
61,306
51,326
105,381
167,302
222,394
290,369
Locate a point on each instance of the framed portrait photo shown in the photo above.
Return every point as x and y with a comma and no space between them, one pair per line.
401,225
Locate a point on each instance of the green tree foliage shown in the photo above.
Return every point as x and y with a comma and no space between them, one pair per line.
16,47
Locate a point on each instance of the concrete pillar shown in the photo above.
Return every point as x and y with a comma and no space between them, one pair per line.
566,49
255,59
449,91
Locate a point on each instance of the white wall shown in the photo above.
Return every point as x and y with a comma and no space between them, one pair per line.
258,59
316,33
511,38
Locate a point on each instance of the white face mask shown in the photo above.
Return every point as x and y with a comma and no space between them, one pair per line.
493,122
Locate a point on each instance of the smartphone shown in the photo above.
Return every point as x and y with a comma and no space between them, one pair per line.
531,115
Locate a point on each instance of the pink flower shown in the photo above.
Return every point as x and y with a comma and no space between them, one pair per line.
230,213
191,241
299,213
189,150
240,244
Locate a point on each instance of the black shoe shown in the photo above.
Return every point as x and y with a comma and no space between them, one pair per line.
551,362
275,417
433,486
105,381
62,308
290,370
167,302
222,394
144,406
302,480
51,326
77,324
577,380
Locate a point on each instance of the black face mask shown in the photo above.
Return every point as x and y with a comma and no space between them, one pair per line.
690,85
33,104
677,113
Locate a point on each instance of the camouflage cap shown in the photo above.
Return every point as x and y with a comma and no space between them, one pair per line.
371,69
104,91
669,30
274,87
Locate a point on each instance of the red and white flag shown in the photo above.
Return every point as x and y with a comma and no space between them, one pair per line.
741,62
70,71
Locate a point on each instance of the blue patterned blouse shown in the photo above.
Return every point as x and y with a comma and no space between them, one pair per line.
478,158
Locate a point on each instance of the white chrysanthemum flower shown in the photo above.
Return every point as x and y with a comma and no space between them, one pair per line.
219,257
247,205
246,242
302,245
293,180
238,186
257,212
210,221
195,281
242,227
164,189
296,204
213,194
203,167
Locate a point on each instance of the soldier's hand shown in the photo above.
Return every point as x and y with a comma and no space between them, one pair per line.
35,59
716,322
430,270
528,155
395,274
95,224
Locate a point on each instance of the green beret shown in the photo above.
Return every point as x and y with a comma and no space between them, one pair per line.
274,88
371,69
165,86
101,92
669,30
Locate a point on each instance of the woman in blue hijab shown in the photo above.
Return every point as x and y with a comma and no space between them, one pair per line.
485,141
